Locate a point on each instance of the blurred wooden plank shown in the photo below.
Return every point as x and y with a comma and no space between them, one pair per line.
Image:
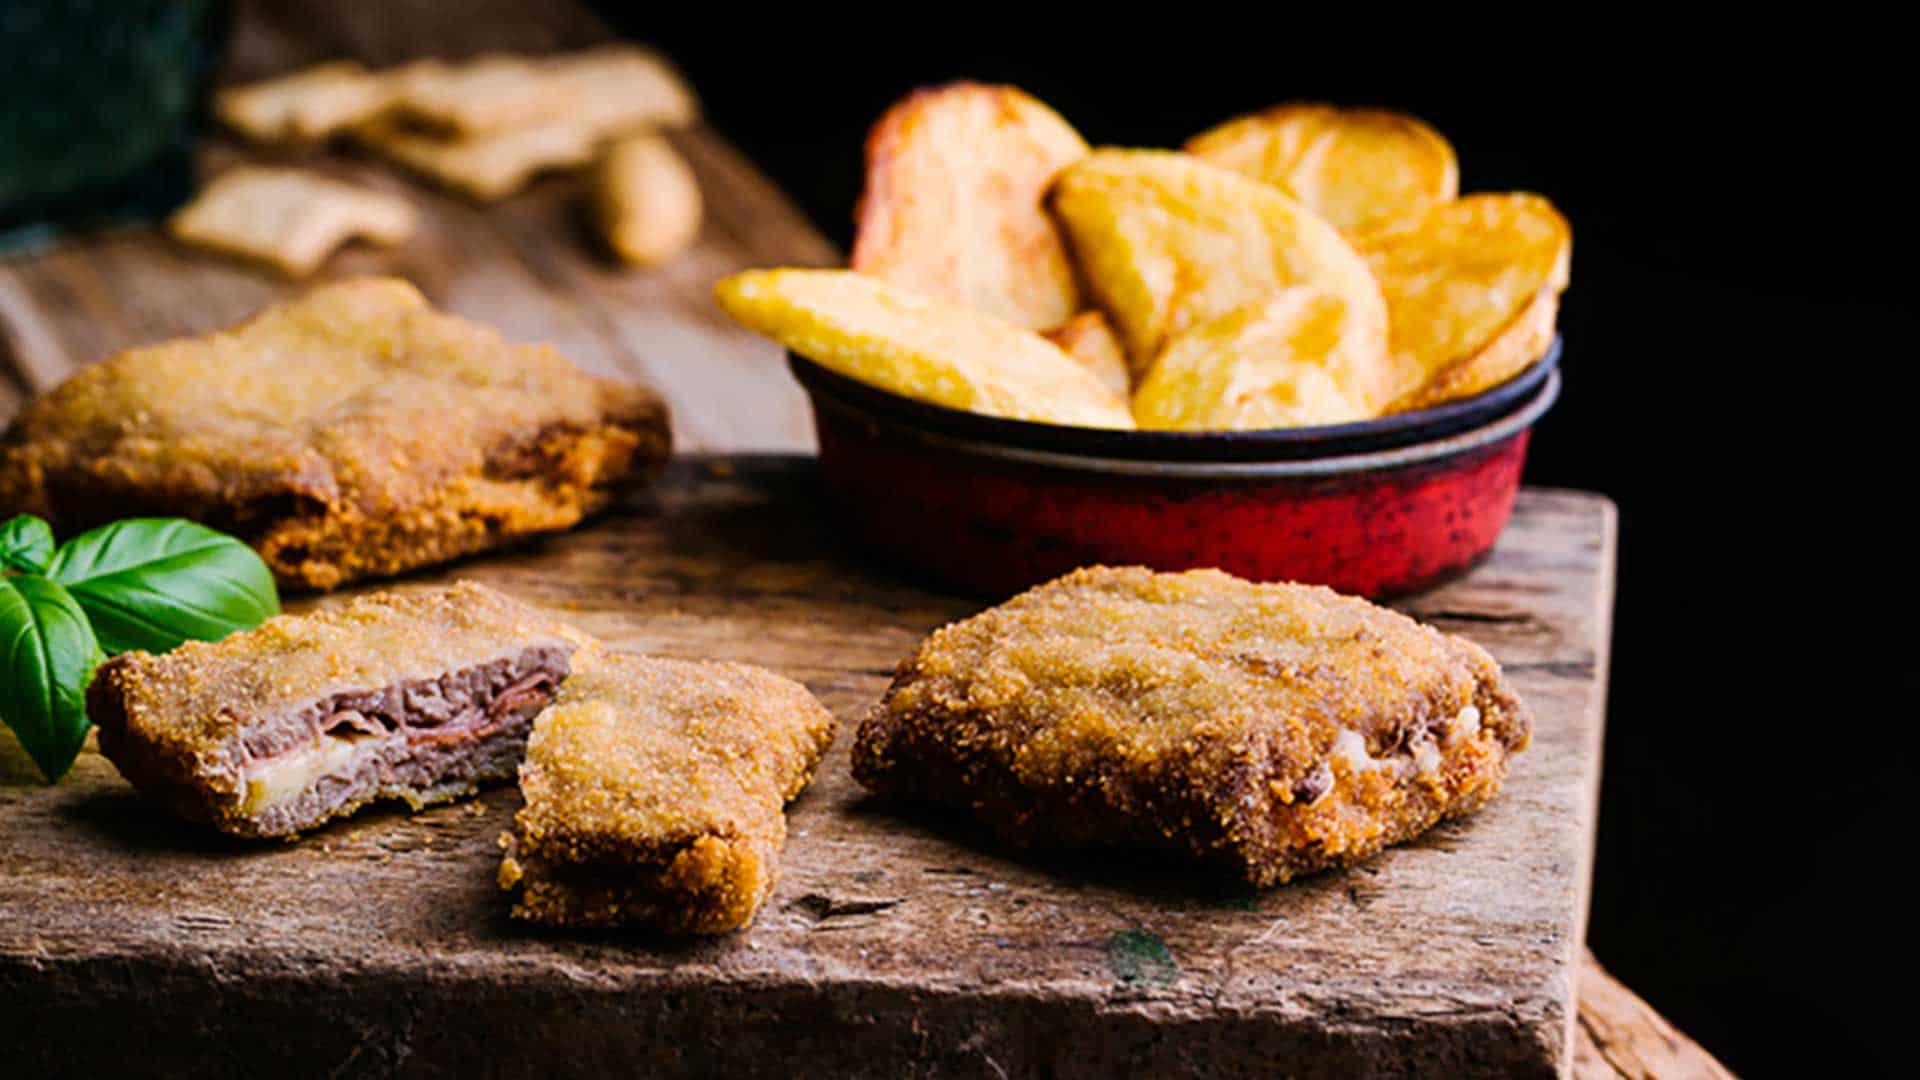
529,265
1621,1037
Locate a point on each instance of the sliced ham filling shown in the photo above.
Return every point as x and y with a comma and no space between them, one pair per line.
414,737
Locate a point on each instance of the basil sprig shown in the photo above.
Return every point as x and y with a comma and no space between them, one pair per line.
47,654
142,583
26,545
152,583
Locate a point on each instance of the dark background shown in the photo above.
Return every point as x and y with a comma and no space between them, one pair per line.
1738,354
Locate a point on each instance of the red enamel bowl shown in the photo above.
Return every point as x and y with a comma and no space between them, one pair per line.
992,506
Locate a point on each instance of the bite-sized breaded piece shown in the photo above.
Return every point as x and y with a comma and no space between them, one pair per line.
490,165
493,93
355,432
306,106
655,793
485,93
587,98
1268,730
289,219
416,696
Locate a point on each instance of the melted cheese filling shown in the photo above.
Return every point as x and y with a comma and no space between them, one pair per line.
1351,747
290,774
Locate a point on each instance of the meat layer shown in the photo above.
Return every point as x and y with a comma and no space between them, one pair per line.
417,697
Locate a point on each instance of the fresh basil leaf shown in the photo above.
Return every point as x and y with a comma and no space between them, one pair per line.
47,656
26,545
152,583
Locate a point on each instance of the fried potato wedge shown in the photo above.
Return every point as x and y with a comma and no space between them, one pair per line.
1295,359
1472,288
1167,242
956,176
922,347
1089,338
1350,166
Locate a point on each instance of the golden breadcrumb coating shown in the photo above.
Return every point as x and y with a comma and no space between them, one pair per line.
1270,730
654,794
176,724
355,432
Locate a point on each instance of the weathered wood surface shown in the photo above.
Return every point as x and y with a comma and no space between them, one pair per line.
180,930
529,265
896,941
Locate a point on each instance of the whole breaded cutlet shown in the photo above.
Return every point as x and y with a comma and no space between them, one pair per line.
1268,730
655,793
355,432
417,696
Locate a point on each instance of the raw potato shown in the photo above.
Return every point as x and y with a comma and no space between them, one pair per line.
1350,166
1089,338
1168,242
647,200
919,346
307,106
1472,288
956,178
1295,359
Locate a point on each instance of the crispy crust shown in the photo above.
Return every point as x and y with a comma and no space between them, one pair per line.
353,433
174,724
1350,166
289,219
953,205
920,346
1168,242
1196,714
1472,289
654,794
306,106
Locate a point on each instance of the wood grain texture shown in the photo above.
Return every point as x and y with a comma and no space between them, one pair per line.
531,265
895,941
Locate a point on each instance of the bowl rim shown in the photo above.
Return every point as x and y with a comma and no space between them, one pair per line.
1261,446
1496,431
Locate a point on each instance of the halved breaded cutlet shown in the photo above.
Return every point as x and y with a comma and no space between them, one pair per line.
655,792
417,696
1270,730
354,432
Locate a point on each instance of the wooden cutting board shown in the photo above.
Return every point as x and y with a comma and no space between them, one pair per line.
895,937
898,942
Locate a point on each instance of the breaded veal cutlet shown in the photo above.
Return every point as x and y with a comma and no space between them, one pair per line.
418,696
655,792
1267,730
355,432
